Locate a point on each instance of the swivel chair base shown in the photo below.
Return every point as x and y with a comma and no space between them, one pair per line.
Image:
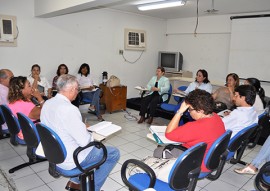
31,161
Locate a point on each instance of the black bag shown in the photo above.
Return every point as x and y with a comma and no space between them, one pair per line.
219,106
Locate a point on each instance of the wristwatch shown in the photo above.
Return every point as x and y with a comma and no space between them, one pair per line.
180,113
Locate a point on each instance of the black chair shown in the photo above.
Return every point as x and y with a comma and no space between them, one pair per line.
31,139
238,144
216,156
4,133
262,179
183,175
13,125
55,152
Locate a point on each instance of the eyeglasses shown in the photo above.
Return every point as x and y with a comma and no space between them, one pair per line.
190,109
78,89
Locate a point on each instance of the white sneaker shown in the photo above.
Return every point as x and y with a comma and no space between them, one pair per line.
246,170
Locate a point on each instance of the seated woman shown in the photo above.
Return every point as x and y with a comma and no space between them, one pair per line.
207,126
201,82
88,89
62,69
223,96
158,85
20,95
40,82
260,94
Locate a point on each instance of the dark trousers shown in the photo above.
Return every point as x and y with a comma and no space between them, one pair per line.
151,101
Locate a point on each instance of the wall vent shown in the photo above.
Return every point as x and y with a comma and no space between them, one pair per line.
135,39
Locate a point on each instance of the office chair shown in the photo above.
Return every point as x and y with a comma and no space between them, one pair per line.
4,133
255,136
31,139
262,179
13,125
55,152
238,144
183,175
215,158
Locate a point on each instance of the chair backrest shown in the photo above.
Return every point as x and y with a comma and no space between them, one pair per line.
11,120
242,135
219,147
169,93
2,119
187,167
53,147
182,88
29,131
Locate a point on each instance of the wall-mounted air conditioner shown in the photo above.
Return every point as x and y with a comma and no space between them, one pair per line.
6,29
135,39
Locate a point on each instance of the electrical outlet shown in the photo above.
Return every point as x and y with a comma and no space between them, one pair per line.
121,52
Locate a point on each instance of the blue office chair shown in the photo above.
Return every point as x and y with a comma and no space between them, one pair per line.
183,175
13,125
255,136
215,158
31,139
262,179
4,133
55,152
238,144
172,107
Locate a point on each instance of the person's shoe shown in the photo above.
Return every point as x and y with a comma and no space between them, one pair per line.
150,120
71,186
92,108
100,118
246,170
141,119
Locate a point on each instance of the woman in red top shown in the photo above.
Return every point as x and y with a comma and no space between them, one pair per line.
206,128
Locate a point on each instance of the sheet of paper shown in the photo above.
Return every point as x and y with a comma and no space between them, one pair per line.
109,130
97,127
159,131
141,88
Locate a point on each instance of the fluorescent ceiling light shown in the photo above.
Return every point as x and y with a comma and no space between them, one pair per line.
161,4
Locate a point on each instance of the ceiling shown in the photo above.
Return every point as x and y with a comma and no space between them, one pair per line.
189,9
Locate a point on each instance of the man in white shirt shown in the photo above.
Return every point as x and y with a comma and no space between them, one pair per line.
65,119
5,76
244,115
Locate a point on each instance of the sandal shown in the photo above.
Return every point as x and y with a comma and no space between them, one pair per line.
246,170
92,108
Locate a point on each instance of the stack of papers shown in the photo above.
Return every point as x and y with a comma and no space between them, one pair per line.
180,94
158,133
104,128
141,88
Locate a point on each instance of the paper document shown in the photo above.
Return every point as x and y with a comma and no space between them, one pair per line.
158,133
223,113
182,94
141,88
104,128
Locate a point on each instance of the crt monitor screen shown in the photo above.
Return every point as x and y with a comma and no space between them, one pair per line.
168,60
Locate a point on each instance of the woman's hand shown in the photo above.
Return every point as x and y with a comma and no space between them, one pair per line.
37,94
36,77
154,89
184,107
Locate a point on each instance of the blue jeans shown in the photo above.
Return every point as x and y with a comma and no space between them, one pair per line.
263,155
104,170
94,96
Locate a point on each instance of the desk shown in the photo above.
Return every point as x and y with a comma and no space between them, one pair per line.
114,98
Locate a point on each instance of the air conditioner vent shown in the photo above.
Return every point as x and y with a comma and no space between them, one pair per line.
135,39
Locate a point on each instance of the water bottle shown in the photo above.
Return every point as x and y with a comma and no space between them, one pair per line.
104,77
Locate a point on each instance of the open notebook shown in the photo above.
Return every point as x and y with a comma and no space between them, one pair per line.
104,128
158,133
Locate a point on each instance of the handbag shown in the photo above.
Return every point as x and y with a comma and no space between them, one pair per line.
160,166
113,81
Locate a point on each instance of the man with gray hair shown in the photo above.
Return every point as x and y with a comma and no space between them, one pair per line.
5,76
65,119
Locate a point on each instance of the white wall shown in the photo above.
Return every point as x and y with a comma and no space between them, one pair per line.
209,50
94,37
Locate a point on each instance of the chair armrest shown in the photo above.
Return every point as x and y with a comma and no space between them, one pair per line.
99,145
144,167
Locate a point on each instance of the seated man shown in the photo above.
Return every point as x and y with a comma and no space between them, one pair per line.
65,119
244,115
5,76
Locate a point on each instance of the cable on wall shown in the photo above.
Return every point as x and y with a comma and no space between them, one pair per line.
132,62
197,19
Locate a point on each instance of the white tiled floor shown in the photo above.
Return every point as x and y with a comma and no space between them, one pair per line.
132,143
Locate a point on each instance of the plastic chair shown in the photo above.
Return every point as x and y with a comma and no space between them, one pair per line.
238,144
172,107
183,175
215,158
31,139
3,133
13,125
55,152
262,179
